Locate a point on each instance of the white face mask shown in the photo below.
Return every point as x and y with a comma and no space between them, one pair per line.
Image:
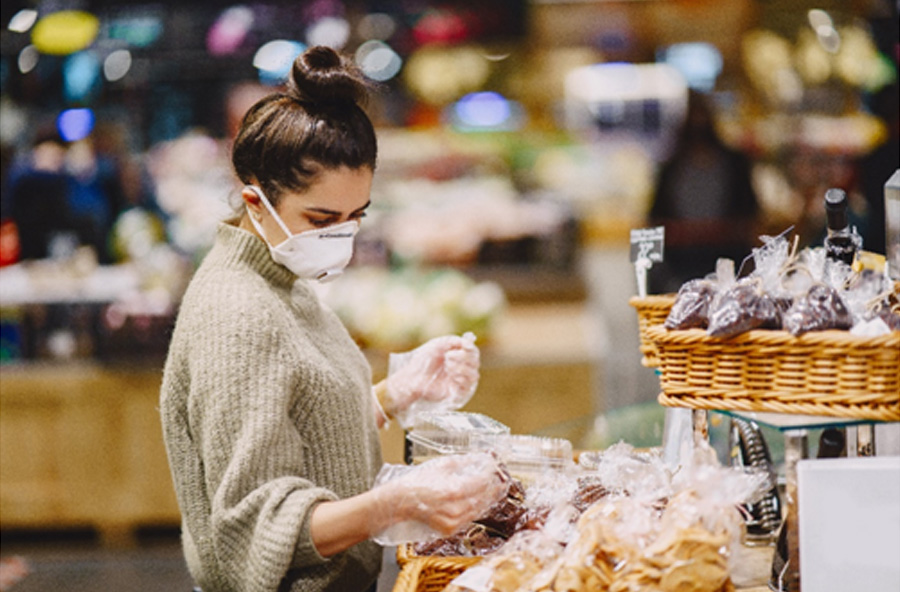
320,254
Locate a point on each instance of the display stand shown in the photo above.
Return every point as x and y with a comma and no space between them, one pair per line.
792,384
795,429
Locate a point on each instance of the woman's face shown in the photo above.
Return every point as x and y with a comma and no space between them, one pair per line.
338,195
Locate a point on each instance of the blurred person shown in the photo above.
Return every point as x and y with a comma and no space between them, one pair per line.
811,172
269,415
705,199
96,197
38,189
876,167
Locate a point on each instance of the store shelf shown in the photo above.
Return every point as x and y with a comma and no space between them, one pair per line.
789,421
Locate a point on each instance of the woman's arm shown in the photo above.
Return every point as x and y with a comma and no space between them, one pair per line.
444,494
379,391
336,526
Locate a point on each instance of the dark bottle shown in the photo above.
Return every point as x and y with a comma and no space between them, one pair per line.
832,443
841,241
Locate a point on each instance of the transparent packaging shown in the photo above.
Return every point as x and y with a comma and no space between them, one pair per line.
451,432
892,224
529,457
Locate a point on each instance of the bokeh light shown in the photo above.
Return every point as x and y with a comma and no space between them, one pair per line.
75,124
23,20
229,31
28,59
377,26
377,60
483,109
81,76
332,31
137,30
699,63
117,64
439,74
275,58
65,32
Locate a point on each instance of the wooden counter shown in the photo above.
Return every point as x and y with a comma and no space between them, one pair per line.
81,446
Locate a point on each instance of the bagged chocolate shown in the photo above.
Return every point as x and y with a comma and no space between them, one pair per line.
820,309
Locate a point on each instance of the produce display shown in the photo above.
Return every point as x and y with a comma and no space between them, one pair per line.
397,309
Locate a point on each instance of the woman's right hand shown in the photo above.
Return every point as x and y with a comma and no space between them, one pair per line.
443,494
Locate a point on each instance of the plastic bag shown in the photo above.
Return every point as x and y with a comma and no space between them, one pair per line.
743,307
821,308
683,544
691,307
512,568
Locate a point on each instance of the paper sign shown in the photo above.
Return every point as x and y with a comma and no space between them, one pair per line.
647,244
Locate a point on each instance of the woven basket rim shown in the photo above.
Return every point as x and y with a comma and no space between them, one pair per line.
406,554
439,571
832,337
652,301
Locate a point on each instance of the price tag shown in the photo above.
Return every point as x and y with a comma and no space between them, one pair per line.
647,244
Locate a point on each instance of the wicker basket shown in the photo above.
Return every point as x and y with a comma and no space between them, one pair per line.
406,554
651,310
431,574
833,373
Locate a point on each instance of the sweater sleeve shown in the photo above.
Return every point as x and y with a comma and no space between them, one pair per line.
244,381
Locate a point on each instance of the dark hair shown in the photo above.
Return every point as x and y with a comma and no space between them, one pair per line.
317,123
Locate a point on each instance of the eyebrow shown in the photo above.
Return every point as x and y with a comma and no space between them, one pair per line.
328,212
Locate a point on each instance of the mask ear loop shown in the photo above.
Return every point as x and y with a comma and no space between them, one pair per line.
265,200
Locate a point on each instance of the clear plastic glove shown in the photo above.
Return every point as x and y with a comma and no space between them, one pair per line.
436,498
440,375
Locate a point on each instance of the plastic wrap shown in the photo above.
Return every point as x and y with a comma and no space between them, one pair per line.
411,498
440,375
819,309
633,540
742,307
530,457
691,307
450,432
550,505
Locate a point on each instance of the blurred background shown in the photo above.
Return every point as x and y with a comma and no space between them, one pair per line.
520,142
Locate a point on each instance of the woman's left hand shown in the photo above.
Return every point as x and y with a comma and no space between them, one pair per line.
442,374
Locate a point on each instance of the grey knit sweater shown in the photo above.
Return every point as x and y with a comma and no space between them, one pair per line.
266,411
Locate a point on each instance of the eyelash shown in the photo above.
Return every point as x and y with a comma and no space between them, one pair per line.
322,223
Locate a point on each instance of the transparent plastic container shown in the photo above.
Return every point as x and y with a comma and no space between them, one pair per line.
529,457
451,432
892,224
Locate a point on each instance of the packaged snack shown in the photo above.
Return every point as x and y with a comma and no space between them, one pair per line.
630,543
691,307
821,308
743,307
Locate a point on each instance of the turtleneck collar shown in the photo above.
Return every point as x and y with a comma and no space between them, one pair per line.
240,247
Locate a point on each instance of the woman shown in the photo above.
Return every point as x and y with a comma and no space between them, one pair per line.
267,404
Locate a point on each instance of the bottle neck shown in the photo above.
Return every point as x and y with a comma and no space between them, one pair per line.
837,218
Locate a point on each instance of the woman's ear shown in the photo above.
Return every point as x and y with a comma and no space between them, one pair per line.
250,196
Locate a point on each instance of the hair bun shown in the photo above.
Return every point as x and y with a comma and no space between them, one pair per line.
322,75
